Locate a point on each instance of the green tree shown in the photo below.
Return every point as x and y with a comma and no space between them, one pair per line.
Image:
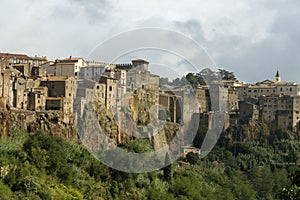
168,171
192,158
226,75
292,192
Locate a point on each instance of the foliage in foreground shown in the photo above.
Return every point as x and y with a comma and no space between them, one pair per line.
45,167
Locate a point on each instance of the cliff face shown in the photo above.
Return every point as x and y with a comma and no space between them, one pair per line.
50,122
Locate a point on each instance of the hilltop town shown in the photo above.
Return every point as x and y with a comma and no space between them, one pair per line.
35,85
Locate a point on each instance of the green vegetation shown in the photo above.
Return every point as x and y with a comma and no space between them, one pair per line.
46,167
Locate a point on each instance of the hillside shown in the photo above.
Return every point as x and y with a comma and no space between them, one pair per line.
48,167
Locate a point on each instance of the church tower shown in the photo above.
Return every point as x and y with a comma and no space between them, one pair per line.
277,77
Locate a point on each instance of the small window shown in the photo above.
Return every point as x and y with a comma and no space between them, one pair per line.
110,88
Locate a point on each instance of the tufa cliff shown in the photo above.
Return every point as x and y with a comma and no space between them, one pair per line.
50,122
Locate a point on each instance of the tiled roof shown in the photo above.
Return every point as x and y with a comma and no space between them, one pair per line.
284,83
10,55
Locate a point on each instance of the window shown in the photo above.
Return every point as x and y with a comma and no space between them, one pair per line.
110,88
98,87
39,96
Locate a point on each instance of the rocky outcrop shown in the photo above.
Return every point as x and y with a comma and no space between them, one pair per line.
50,122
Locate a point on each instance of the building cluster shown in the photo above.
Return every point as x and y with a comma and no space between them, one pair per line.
68,85
275,102
36,84
25,84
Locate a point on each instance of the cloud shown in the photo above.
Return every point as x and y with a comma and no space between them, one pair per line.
246,37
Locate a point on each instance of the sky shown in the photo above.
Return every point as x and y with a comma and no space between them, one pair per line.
253,38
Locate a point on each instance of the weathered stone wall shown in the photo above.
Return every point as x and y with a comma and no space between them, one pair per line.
51,122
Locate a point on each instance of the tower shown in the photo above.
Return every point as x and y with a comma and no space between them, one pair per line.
277,77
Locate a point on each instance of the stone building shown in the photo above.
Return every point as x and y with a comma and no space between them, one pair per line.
92,72
110,90
233,99
13,86
15,58
281,111
247,111
173,104
88,91
65,67
61,92
138,75
268,87
37,98
37,61
23,63
203,97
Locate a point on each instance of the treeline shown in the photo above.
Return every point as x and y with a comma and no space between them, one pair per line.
201,78
46,167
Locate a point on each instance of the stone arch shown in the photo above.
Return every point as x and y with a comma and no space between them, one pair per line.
178,112
171,108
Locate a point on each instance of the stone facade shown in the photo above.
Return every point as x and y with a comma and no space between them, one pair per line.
268,87
61,93
65,67
282,111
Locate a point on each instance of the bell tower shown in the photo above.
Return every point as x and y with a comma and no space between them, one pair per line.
277,77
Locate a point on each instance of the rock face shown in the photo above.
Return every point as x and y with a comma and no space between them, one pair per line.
50,122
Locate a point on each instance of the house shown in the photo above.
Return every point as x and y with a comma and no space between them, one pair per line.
61,93
247,111
110,90
37,98
268,87
65,67
15,58
283,111
22,62
138,75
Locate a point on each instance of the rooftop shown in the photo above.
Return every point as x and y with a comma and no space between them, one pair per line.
10,55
